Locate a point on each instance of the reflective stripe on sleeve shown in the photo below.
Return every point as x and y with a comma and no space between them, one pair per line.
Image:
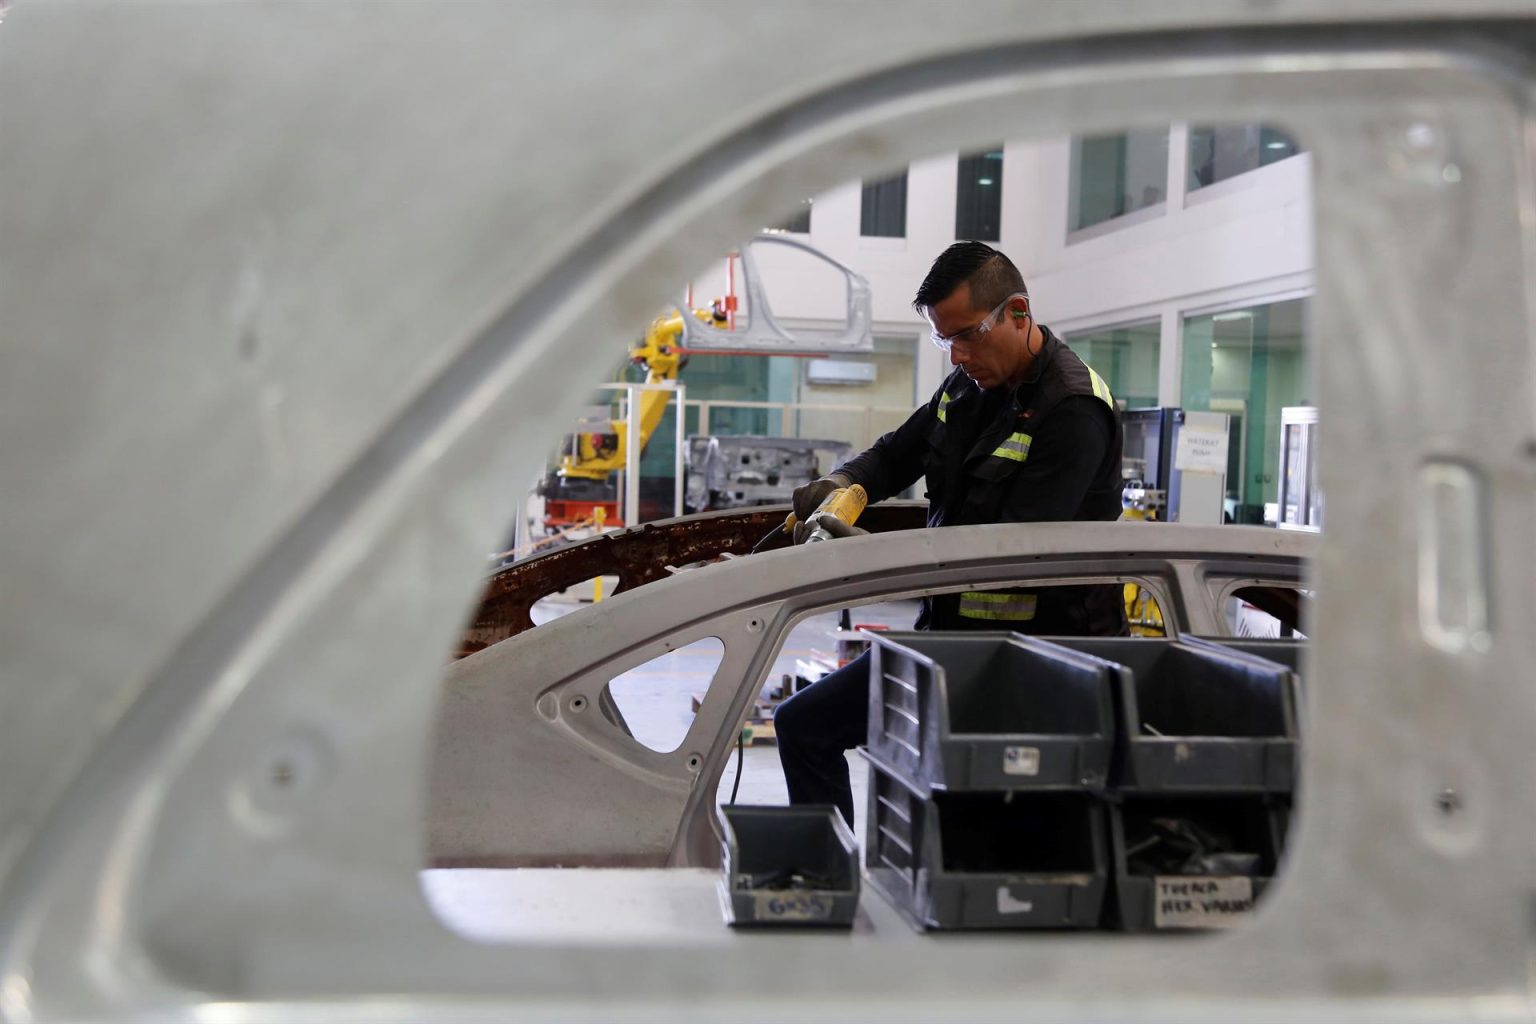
943,401
1016,447
980,604
1100,389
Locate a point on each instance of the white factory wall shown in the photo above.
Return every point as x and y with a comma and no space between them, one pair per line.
1235,243
881,406
1240,242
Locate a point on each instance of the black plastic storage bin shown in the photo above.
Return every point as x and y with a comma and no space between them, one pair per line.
789,866
1193,862
1197,718
1282,651
1017,859
989,711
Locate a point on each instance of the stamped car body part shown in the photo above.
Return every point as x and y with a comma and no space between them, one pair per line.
282,319
530,769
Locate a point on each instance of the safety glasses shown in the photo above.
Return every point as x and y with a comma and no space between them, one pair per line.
976,331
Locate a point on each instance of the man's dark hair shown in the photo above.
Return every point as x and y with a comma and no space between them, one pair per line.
991,275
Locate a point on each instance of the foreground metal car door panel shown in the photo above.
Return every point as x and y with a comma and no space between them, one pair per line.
290,292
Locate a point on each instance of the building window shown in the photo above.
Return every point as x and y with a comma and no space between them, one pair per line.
1113,175
797,223
979,195
1249,363
1219,152
1126,357
883,212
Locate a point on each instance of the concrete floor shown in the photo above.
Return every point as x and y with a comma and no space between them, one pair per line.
655,698
638,907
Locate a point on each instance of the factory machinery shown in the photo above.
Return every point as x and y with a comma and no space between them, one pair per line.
724,471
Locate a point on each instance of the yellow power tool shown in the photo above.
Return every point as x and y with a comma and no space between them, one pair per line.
845,503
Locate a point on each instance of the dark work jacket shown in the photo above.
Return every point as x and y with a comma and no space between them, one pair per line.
977,450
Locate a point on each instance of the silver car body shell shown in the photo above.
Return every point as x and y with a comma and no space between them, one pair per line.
532,767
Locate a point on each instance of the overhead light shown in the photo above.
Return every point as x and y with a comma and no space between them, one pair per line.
1215,345
1274,145
1241,314
983,181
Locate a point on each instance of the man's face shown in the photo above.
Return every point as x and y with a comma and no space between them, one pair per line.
991,358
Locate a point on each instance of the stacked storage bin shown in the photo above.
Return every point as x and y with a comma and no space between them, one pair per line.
1204,774
1287,651
788,866
989,755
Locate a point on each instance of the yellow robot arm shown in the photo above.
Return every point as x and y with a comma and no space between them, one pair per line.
660,353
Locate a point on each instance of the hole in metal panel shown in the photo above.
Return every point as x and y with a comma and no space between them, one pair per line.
1453,573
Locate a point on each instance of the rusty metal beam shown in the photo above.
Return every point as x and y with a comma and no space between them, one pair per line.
642,555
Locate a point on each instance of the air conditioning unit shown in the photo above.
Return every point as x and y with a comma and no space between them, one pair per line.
839,371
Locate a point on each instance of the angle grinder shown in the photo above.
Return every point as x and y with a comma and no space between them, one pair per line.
845,504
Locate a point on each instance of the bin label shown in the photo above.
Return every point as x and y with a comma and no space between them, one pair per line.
1193,902
1021,760
790,905
1007,903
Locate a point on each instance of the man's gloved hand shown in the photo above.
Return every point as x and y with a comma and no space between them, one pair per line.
833,525
808,497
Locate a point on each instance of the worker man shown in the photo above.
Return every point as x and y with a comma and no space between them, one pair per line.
1022,431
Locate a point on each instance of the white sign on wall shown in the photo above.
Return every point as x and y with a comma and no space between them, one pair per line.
1202,444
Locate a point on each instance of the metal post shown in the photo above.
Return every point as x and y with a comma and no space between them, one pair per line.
1170,357
520,526
632,458
730,292
677,464
599,520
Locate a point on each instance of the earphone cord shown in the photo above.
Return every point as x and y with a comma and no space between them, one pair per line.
1033,353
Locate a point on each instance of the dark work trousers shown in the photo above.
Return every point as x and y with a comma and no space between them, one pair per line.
815,727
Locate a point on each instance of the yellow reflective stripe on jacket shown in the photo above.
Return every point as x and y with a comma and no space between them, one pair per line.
943,401
1100,389
981,604
1016,447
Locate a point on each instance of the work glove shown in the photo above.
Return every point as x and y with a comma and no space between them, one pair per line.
808,497
833,525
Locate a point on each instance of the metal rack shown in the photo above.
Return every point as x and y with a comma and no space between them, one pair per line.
1300,504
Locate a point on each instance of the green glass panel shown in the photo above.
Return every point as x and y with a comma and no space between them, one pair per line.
1126,357
1113,175
1249,363
1219,152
